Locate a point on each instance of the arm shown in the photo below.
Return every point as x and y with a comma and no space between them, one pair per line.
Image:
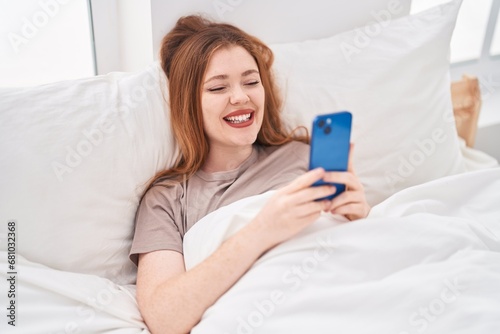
173,300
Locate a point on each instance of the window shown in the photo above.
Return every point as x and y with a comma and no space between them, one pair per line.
470,30
44,41
495,45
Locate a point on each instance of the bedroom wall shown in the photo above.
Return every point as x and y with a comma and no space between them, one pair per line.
277,20
127,33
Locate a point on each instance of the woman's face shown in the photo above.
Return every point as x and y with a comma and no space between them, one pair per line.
232,99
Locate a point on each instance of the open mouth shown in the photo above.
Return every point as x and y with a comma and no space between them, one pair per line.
240,120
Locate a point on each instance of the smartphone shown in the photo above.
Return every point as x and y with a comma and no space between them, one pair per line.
330,143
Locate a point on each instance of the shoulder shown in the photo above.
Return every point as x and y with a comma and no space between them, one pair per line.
160,204
161,193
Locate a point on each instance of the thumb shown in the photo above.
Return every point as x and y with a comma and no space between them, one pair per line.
350,163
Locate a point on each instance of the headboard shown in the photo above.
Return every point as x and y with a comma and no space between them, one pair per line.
279,21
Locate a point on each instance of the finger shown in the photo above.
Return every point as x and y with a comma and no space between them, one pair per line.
344,198
351,211
350,165
350,180
312,208
312,193
304,181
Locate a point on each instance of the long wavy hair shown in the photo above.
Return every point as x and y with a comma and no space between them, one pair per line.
185,54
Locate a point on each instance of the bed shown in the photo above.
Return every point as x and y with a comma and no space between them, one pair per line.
76,156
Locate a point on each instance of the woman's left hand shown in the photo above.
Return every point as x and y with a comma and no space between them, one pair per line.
352,202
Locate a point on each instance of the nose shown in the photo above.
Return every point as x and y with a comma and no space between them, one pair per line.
238,96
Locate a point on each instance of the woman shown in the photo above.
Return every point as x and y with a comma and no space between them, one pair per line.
225,116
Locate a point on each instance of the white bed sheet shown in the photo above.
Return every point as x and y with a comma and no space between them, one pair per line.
425,260
54,301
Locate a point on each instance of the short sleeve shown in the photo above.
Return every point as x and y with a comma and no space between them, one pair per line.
156,222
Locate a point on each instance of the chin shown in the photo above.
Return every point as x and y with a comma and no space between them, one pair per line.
242,142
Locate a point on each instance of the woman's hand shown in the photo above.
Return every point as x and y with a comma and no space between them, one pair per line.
352,202
293,207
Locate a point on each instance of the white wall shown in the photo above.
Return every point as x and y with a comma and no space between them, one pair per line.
276,21
128,32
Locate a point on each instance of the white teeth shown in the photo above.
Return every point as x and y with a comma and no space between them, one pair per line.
238,119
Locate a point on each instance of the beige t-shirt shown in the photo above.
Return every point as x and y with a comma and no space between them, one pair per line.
166,213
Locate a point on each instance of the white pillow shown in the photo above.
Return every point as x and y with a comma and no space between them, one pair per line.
75,157
393,75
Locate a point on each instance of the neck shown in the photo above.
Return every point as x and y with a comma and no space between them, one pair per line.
222,159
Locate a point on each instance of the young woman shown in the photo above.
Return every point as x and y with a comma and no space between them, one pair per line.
225,113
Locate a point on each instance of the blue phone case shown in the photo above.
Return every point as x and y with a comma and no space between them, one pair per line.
330,140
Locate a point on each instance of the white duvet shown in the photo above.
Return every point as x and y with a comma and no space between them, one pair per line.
427,260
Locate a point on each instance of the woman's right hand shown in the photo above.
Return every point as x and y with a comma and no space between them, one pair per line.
293,208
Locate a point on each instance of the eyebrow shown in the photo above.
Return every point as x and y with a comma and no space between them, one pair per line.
225,76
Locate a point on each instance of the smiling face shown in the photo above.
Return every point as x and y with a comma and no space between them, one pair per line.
232,99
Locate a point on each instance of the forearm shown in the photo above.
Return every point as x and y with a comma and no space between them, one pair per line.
177,305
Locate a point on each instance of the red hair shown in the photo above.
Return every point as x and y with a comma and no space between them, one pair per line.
185,54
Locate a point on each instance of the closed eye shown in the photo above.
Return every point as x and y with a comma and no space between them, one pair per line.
253,83
216,89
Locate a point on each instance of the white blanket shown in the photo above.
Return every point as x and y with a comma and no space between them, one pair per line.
427,260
